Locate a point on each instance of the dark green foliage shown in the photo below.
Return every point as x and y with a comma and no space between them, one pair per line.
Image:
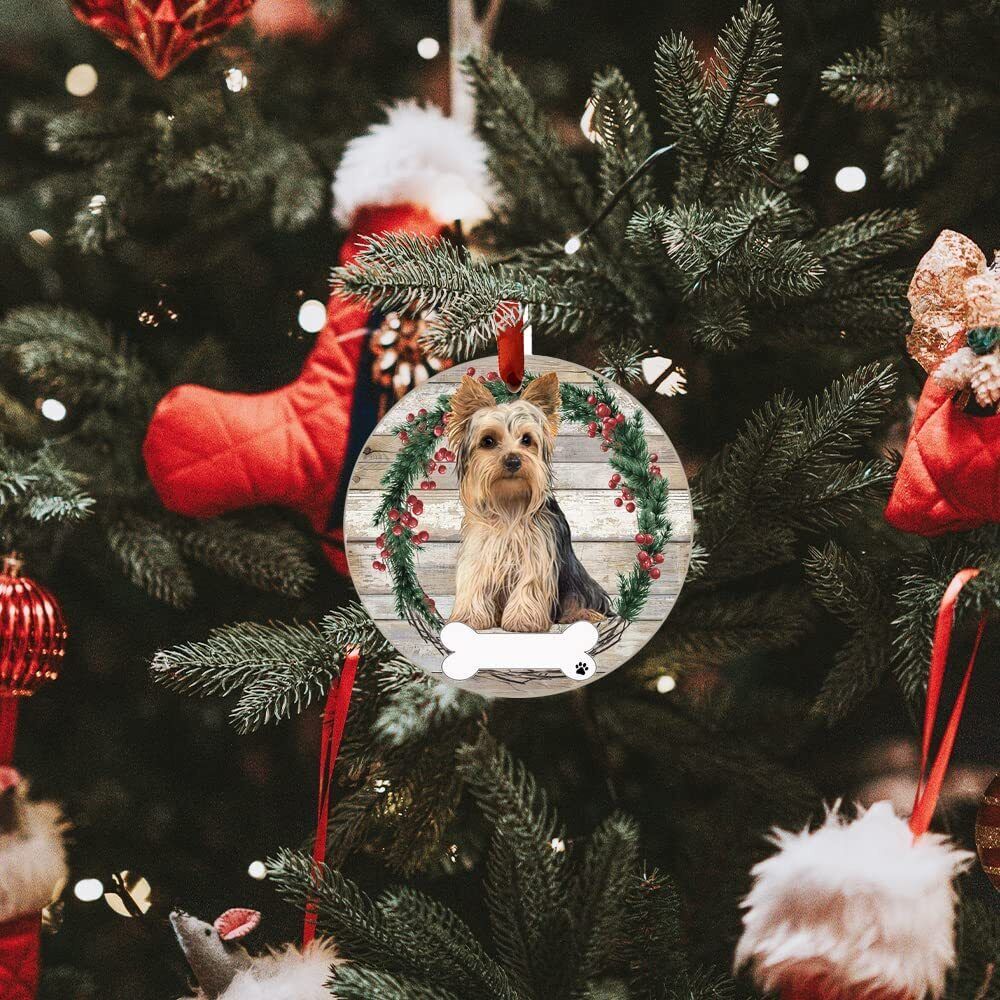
562,927
724,251
933,67
37,487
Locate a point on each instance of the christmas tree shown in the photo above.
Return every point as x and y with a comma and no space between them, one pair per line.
714,236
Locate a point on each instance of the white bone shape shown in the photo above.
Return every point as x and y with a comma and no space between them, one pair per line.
474,651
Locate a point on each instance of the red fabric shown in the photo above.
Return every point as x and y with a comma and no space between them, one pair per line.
210,452
949,479
338,704
20,942
510,352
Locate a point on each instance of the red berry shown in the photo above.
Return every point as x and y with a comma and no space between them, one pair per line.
411,500
640,539
618,501
418,506
654,573
423,484
380,542
658,558
393,514
442,469
630,507
376,565
591,431
404,437
620,419
626,493
438,431
397,529
491,376
592,426
423,536
654,458
431,485
422,412
616,478
611,484
470,371
481,379
591,399
410,418
385,553
603,410
605,447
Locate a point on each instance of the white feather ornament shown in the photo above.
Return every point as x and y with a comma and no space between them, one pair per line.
855,910
288,974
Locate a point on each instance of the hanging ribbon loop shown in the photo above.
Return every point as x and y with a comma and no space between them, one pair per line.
510,344
932,775
338,703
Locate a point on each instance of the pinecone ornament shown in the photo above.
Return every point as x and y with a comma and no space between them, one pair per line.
399,361
985,380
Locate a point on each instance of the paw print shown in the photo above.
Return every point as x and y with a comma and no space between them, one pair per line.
581,668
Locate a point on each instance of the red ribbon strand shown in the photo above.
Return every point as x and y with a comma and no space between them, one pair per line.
932,775
338,703
510,352
8,728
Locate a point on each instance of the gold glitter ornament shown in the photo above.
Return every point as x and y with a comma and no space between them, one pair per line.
952,291
988,832
985,379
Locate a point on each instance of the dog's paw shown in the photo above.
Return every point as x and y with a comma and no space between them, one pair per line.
580,669
521,621
581,615
479,622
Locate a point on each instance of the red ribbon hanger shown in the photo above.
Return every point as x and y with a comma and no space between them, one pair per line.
510,348
932,775
8,727
338,703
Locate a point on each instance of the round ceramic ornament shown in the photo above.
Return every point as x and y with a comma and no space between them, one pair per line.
518,544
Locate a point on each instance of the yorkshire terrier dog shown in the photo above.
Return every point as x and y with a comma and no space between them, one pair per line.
516,566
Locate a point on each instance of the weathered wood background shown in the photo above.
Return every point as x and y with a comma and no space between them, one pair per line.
603,535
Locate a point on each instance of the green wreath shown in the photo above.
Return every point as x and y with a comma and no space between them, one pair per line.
424,450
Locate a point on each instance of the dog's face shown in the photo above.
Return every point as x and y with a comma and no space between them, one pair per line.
504,452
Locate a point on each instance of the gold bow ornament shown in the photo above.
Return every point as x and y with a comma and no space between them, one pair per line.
955,304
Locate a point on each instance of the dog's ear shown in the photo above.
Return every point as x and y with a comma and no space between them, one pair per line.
544,393
471,396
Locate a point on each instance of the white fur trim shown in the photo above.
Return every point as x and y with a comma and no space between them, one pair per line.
420,156
288,974
32,860
956,370
856,903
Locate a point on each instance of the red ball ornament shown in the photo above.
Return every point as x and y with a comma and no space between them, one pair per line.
32,645
32,632
161,33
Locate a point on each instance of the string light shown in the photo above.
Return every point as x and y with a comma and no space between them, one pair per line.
771,100
41,237
557,844
428,48
138,888
312,315
257,870
88,890
572,245
587,121
850,179
97,204
665,683
236,79
800,162
53,410
81,80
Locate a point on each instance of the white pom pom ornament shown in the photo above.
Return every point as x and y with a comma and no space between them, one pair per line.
854,910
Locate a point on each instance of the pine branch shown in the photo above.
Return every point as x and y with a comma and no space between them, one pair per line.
38,487
151,559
